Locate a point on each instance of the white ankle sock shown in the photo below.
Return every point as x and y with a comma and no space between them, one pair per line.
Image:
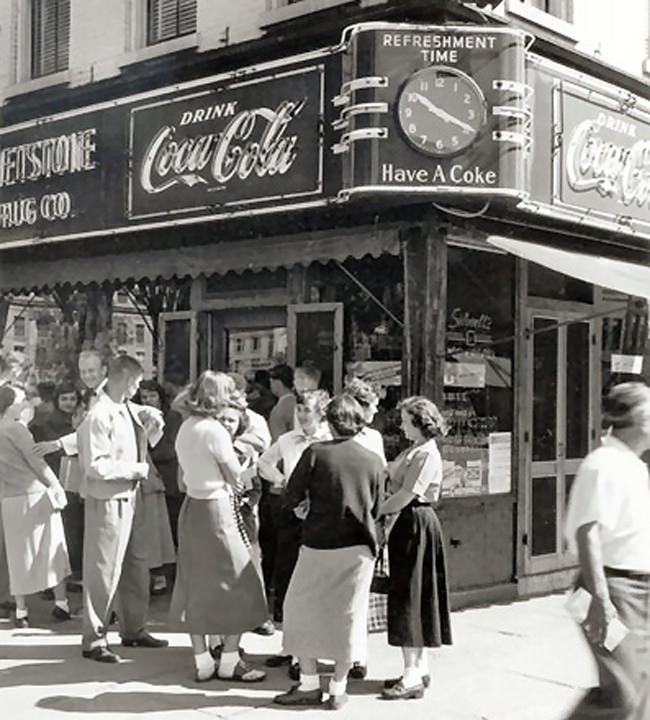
20,613
63,604
309,682
337,688
411,677
204,664
227,663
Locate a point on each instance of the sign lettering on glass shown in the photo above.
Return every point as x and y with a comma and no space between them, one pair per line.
234,145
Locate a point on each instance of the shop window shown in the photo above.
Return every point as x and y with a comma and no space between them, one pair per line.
167,19
478,373
50,36
546,283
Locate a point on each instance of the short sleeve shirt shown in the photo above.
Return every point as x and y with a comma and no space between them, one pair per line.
612,489
419,470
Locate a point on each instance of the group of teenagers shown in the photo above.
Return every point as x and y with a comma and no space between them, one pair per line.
316,472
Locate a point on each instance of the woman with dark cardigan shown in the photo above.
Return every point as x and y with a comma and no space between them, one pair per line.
326,605
418,604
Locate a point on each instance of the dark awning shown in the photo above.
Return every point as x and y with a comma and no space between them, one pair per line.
240,255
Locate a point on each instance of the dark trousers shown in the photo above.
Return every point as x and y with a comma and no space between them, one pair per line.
269,508
286,555
72,516
624,674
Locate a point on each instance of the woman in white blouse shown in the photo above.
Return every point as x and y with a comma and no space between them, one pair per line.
218,589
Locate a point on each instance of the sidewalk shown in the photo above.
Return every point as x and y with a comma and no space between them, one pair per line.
518,661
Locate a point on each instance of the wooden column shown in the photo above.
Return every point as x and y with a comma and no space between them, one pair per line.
424,254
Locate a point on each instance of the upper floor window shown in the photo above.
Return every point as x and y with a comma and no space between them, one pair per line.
19,327
50,36
562,9
139,334
167,19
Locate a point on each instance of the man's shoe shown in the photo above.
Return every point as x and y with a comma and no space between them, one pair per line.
299,698
358,671
426,681
245,673
266,628
101,654
277,660
60,615
399,692
294,670
336,702
145,641
21,623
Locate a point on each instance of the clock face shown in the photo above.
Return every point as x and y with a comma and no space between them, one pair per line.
441,110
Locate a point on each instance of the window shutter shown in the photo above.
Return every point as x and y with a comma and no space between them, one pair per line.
171,18
50,36
186,17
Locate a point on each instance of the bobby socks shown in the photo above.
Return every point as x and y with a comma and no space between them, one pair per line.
411,677
21,613
228,663
337,688
204,664
308,683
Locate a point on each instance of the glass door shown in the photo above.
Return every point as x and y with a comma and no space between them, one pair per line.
315,336
177,348
561,376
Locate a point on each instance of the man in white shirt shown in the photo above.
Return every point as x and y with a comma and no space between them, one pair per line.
112,443
608,526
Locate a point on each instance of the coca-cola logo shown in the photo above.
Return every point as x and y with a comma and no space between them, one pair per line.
612,169
254,143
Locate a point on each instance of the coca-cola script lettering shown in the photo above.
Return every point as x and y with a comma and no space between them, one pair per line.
254,142
609,167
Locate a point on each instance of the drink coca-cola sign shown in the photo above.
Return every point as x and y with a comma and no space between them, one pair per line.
230,147
605,156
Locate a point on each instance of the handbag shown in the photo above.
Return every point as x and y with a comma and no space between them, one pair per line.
380,578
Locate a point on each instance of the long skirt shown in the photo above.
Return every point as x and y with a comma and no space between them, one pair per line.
219,588
37,554
326,606
418,595
154,515
624,674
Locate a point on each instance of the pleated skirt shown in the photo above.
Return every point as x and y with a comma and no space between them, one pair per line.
326,606
37,554
218,588
418,595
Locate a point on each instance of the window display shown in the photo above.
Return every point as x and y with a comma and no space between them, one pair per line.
478,395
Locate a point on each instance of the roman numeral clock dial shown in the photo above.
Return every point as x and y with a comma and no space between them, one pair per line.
441,110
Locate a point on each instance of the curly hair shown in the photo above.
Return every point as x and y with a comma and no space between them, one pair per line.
364,394
424,415
236,400
315,401
209,393
154,386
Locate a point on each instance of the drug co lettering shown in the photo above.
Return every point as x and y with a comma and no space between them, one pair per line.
253,143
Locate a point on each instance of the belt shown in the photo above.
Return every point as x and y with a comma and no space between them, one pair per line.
631,574
420,503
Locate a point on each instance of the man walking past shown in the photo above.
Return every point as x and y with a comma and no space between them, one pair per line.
112,451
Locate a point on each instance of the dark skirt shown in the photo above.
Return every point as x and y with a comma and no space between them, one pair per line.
418,596
218,588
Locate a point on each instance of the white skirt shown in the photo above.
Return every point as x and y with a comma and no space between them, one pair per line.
326,606
37,553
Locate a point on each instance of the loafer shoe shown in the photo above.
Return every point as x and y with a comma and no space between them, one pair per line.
101,654
60,615
399,692
358,671
336,702
21,623
294,671
266,628
278,660
145,640
297,698
245,673
426,681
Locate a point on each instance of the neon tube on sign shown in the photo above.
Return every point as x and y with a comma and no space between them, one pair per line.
254,142
594,163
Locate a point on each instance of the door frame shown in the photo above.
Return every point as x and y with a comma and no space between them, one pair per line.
190,315
560,312
337,309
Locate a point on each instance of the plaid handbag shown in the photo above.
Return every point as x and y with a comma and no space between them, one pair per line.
378,601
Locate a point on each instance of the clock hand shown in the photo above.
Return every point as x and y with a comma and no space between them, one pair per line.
443,114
